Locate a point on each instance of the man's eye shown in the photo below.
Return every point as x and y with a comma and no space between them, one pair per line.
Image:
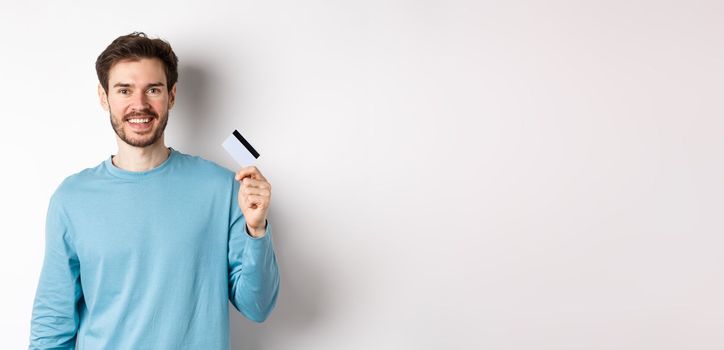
154,90
123,91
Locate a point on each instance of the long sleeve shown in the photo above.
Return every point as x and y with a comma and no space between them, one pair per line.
55,317
253,270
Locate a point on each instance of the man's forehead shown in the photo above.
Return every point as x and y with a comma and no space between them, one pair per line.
137,71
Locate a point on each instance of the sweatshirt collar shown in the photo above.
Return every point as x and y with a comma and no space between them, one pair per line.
118,172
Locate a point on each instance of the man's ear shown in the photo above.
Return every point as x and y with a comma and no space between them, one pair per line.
172,96
103,97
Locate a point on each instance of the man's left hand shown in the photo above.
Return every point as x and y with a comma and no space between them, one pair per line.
254,198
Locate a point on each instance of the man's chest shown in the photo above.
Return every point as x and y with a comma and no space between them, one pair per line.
136,224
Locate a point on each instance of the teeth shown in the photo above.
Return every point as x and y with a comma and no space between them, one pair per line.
145,120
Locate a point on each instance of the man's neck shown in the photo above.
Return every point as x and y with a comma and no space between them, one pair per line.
140,158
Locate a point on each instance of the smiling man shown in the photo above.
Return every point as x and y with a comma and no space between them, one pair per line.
143,250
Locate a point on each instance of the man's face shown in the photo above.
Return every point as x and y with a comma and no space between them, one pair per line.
138,100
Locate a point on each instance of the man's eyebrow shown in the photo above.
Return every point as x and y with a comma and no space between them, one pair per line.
129,85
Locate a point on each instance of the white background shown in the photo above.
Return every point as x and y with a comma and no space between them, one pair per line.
447,174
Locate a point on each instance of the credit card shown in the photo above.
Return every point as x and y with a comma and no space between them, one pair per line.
240,149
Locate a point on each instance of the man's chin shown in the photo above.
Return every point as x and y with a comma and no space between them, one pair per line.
141,142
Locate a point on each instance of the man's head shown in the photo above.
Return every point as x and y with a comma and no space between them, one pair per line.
137,86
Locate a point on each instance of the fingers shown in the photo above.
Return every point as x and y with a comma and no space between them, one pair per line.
250,171
249,182
253,200
256,191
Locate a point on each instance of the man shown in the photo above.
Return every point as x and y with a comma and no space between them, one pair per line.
144,250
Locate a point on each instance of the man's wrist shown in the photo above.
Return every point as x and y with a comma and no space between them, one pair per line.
257,231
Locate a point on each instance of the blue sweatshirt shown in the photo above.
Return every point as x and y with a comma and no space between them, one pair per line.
148,260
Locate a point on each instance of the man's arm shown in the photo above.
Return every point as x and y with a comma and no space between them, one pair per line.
55,317
253,270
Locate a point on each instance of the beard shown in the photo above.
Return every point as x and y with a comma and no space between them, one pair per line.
141,140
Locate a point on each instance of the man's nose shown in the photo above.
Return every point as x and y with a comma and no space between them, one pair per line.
139,102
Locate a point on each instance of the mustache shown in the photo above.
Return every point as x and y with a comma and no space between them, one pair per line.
141,113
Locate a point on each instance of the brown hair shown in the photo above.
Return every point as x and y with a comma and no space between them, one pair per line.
136,46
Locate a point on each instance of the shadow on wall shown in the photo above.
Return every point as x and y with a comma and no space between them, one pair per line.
299,304
192,116
302,283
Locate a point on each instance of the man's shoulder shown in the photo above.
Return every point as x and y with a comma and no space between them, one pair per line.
203,167
89,180
78,181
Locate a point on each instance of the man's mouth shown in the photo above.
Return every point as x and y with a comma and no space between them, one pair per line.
139,120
